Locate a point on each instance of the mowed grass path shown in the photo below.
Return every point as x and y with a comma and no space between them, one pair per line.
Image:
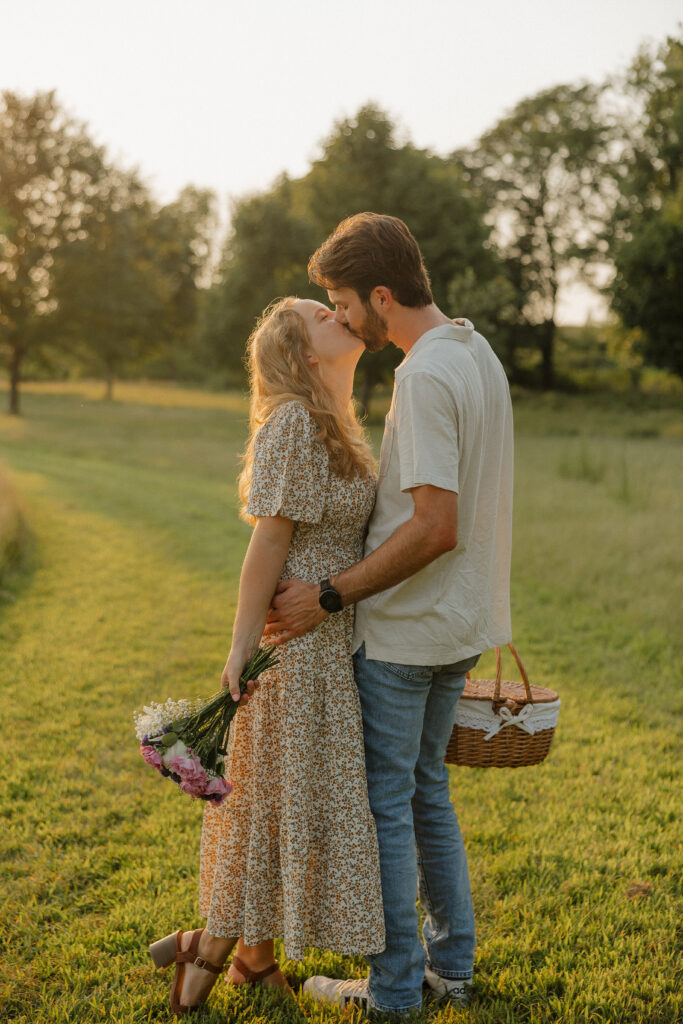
129,596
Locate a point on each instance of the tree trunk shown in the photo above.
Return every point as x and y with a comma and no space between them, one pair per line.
547,347
15,378
548,328
109,385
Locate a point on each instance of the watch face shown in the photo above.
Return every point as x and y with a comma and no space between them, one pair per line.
330,600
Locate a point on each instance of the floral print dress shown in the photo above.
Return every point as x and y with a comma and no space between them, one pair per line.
292,852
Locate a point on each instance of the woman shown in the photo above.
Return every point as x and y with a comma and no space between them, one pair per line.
293,850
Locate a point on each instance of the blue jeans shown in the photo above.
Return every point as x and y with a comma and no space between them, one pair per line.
408,715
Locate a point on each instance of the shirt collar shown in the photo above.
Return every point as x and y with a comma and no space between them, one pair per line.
452,332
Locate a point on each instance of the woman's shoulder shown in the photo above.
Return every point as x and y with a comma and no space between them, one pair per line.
288,423
292,412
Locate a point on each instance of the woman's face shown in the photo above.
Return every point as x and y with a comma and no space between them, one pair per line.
331,343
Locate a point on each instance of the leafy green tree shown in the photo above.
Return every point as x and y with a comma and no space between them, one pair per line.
362,167
647,291
356,170
182,235
265,257
365,167
648,287
654,129
112,291
545,172
50,176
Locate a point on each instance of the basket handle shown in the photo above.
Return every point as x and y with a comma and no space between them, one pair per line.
520,666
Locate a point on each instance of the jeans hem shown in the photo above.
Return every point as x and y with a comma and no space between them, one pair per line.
455,975
392,1009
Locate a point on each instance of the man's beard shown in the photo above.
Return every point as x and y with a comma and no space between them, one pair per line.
373,331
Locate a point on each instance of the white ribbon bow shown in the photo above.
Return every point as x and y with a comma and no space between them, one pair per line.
505,717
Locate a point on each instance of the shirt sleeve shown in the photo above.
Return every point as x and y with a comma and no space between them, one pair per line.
290,469
427,429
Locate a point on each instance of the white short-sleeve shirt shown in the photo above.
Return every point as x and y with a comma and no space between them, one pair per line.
449,425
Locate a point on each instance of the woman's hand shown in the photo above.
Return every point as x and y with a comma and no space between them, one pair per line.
230,679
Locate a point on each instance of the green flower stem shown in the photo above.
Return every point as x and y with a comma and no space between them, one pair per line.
206,730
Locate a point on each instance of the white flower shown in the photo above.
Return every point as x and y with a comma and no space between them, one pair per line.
177,750
152,719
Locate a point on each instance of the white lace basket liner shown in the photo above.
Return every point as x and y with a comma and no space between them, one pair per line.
503,724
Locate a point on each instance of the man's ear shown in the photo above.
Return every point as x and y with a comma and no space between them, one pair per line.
381,298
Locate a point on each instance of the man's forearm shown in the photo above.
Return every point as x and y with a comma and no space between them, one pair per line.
430,532
410,548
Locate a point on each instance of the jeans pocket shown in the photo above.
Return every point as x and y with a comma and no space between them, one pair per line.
412,673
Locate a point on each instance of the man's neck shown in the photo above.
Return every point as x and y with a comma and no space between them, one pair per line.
411,323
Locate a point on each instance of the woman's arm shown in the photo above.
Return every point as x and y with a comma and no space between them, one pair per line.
260,575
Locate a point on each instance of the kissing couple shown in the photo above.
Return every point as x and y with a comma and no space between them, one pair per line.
380,590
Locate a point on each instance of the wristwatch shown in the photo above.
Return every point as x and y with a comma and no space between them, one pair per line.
329,598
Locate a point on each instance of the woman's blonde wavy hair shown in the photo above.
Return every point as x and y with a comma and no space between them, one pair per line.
279,372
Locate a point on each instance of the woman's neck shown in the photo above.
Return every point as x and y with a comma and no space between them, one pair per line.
339,382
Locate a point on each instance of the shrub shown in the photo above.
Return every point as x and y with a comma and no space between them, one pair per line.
12,525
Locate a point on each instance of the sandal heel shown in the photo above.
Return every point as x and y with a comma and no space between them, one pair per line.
163,951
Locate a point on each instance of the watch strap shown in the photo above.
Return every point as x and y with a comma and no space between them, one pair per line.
334,602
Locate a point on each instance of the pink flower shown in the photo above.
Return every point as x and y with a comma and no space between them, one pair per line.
193,778
152,756
218,789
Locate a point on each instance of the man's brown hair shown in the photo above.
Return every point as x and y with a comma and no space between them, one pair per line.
371,249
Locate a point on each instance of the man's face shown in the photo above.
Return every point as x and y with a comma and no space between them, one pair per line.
360,318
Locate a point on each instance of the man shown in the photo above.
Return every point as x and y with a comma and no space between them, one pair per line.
431,594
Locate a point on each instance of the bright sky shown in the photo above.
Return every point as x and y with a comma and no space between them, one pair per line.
228,95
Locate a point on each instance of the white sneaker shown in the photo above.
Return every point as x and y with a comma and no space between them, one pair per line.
458,990
352,991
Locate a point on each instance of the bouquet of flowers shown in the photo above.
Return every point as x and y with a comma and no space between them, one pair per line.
186,740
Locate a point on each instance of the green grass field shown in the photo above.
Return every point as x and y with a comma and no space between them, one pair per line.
127,594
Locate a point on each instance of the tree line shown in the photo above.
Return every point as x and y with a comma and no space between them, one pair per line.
96,275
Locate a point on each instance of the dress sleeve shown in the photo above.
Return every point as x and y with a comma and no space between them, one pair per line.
290,469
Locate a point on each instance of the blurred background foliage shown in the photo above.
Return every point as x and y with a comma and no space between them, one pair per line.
581,182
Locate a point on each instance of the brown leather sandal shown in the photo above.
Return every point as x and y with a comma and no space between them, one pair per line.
167,951
254,977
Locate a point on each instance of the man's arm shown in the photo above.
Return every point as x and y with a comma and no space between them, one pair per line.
430,532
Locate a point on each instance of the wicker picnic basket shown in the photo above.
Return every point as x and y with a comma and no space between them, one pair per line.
503,724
